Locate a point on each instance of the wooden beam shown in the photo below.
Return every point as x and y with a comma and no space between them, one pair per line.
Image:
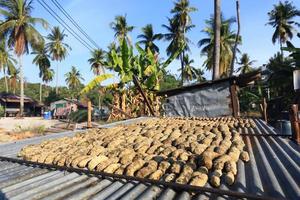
234,100
137,84
89,121
295,123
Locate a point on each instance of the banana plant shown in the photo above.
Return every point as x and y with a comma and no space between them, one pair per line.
122,61
294,52
149,68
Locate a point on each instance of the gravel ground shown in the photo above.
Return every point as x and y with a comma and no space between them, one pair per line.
9,126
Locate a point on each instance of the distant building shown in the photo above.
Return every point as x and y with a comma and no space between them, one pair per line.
62,108
11,105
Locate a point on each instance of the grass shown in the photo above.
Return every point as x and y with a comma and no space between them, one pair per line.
38,130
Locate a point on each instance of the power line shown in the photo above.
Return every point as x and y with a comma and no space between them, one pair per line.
64,24
60,7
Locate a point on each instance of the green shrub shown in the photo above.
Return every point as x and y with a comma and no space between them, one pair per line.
1,111
78,116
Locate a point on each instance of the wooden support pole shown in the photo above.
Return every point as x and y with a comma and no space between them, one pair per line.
295,123
137,84
89,121
234,100
263,107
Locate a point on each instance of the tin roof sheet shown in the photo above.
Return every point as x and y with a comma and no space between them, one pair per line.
273,171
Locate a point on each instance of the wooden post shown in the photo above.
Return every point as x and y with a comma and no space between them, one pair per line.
89,121
234,100
264,109
137,84
295,123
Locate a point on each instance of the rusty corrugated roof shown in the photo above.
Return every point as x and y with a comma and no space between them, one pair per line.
273,171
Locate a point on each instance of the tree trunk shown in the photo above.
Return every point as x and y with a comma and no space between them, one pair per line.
182,67
41,88
21,87
6,83
217,36
237,36
56,88
99,101
123,103
281,50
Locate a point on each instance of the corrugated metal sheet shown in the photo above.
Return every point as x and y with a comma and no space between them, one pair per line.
273,171
211,101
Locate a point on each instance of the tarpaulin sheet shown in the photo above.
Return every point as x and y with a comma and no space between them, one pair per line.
210,101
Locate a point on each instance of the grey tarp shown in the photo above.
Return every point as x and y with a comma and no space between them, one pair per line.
209,101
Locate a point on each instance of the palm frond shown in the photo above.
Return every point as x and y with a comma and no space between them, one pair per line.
95,82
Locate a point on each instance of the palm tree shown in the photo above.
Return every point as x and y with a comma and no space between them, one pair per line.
18,28
282,19
57,48
200,75
189,72
14,78
73,78
148,38
246,64
7,62
174,36
97,61
42,60
48,75
181,11
121,28
217,26
227,42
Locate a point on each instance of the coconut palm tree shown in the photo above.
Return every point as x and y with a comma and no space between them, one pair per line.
200,75
73,78
245,64
57,48
48,75
189,72
14,78
148,38
7,62
281,18
181,11
42,60
174,36
227,42
97,61
19,29
121,28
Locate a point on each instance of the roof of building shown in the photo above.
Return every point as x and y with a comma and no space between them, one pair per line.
272,172
241,80
10,97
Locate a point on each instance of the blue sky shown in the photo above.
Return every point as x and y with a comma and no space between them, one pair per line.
94,16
